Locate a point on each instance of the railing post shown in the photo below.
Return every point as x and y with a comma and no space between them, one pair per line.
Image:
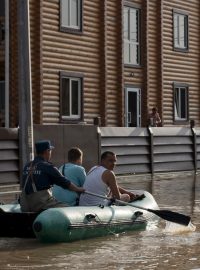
99,144
151,150
97,121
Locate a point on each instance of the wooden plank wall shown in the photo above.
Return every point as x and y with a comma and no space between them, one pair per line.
71,53
97,53
179,66
35,8
113,68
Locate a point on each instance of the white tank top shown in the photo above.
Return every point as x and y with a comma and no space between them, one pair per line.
95,184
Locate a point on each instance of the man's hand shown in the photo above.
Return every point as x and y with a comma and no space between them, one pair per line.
137,197
81,190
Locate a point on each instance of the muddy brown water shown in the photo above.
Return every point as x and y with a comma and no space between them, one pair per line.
154,248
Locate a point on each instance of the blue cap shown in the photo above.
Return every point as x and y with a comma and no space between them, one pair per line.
41,146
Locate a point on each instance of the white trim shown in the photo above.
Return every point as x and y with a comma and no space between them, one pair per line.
178,110
73,116
133,45
69,24
177,33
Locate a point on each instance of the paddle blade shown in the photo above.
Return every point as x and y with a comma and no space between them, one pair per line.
172,216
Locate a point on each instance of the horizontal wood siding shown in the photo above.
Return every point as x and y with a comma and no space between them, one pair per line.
181,67
71,53
97,54
153,31
35,47
112,63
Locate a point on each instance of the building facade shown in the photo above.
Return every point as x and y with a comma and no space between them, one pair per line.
111,59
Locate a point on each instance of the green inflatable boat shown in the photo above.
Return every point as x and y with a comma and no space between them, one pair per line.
76,223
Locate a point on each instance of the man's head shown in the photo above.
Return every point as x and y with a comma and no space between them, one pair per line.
75,155
108,160
154,110
44,148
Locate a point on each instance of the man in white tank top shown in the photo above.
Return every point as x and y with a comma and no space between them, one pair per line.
102,181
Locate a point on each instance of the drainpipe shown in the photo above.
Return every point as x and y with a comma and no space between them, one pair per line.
7,63
25,87
194,134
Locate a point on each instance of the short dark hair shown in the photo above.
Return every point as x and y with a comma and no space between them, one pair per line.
74,154
106,153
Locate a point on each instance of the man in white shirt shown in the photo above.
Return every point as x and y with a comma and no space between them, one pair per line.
101,180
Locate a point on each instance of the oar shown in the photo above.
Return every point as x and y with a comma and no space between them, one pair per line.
164,214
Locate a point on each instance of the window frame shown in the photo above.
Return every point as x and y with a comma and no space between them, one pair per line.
138,8
72,77
186,87
71,29
186,31
138,90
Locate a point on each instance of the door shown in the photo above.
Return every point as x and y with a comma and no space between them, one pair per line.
132,107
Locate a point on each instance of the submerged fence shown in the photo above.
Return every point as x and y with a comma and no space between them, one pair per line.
9,156
138,150
151,150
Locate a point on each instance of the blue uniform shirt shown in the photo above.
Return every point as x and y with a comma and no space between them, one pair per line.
44,175
76,174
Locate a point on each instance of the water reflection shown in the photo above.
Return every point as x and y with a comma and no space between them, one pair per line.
152,249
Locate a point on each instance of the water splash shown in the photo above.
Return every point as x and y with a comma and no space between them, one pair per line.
177,228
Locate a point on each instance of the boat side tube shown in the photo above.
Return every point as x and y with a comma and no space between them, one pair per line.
76,223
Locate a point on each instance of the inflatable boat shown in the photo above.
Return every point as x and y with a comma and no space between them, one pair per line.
68,224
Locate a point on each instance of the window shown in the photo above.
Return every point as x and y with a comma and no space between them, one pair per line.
71,15
180,31
181,103
71,88
131,36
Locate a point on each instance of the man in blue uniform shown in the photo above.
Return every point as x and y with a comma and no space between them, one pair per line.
39,176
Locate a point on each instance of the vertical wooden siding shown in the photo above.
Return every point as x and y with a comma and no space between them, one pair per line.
179,66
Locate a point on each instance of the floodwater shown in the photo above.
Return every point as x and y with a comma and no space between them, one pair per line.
154,248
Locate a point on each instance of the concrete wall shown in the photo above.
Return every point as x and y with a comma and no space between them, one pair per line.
63,137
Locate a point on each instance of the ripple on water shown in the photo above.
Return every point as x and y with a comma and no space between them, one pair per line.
151,249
